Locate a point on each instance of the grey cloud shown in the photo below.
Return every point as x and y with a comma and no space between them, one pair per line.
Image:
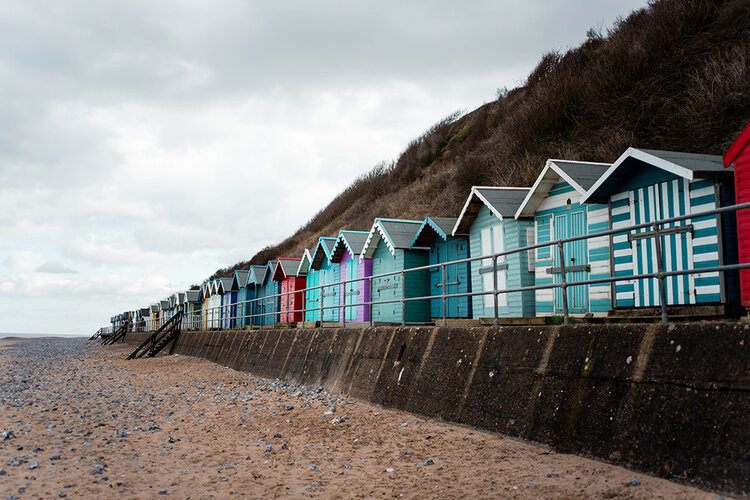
54,267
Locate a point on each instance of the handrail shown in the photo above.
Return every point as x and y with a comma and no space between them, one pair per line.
216,317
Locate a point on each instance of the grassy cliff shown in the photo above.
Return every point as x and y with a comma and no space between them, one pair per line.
674,75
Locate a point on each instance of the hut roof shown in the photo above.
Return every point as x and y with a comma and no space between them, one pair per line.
737,146
353,241
396,233
502,201
286,267
432,228
304,263
257,275
324,250
579,174
686,165
240,278
192,295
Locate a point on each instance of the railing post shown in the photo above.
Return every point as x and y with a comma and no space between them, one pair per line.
320,305
563,283
342,311
660,274
403,299
370,306
443,281
496,320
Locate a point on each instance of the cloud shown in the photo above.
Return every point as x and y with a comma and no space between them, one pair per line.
54,267
145,144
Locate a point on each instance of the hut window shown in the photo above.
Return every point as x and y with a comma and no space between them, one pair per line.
568,204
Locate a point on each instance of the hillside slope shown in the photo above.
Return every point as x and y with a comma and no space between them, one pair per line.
674,75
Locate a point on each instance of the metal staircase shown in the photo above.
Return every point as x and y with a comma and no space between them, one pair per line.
160,339
116,335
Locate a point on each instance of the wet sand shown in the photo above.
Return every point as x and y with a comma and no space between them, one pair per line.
84,422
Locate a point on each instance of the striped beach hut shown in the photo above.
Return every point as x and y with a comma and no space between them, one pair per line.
241,288
228,302
738,158
389,246
255,288
435,234
312,280
488,219
346,253
646,185
292,304
269,302
554,203
329,273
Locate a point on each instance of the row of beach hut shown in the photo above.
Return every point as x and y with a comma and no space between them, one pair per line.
568,199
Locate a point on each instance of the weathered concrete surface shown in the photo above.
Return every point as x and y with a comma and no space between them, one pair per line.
674,401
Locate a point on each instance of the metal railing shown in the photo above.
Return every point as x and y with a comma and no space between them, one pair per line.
267,310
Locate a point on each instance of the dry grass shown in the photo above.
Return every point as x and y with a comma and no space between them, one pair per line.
674,75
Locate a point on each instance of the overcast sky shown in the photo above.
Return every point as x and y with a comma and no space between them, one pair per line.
145,144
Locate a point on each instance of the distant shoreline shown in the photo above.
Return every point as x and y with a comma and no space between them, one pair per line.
4,336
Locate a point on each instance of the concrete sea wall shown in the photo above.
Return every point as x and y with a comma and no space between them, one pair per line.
674,401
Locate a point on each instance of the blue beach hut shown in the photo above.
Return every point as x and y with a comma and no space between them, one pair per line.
329,273
228,302
554,203
435,234
645,185
389,246
241,288
255,280
488,218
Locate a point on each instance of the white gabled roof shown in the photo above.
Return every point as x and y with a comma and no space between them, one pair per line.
502,201
579,174
683,165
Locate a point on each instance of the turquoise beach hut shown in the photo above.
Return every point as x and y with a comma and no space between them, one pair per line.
554,203
435,234
389,246
270,300
643,186
488,219
346,252
255,288
193,309
329,273
312,295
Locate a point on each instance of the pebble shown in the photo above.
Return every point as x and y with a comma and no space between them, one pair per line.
3,472
269,448
99,469
7,435
429,461
553,474
56,456
62,494
34,465
632,482
162,491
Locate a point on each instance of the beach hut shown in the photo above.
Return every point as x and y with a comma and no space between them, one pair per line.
269,299
435,234
254,284
154,324
142,319
312,295
643,186
164,310
228,302
329,273
353,295
291,304
389,246
241,288
193,309
488,219
737,157
554,203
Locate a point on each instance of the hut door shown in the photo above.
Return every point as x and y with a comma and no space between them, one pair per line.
569,225
352,289
650,203
492,242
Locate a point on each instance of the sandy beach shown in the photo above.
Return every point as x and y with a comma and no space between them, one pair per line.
79,421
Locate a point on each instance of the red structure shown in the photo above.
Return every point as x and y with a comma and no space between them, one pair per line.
292,304
738,156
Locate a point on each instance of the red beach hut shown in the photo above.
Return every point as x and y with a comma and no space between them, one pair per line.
738,156
286,273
